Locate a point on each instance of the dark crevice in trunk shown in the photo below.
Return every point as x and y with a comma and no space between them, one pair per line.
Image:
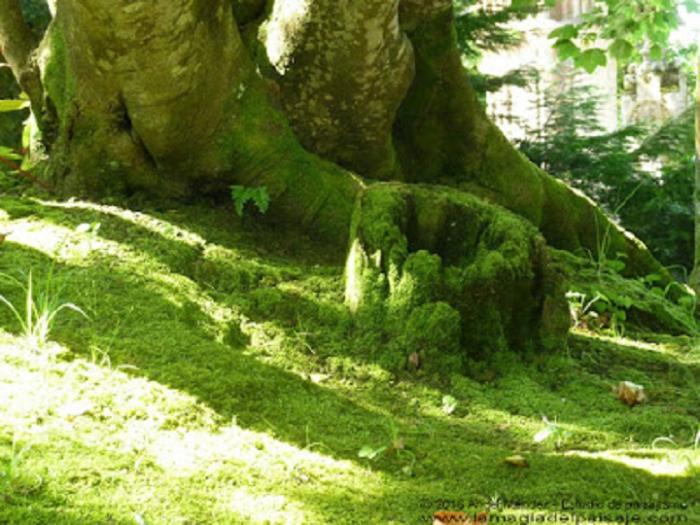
249,12
124,124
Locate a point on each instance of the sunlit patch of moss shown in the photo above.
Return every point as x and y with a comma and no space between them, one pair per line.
112,417
668,463
226,384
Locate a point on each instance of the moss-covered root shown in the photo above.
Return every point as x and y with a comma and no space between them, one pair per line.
442,134
202,122
439,270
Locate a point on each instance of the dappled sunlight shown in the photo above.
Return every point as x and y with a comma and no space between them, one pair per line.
687,354
104,411
334,260
68,245
143,220
265,508
238,380
672,463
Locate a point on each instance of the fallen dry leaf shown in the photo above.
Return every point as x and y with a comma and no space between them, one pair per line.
631,393
414,361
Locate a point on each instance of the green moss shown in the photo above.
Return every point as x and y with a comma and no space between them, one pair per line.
57,77
420,282
433,125
434,331
271,302
238,416
380,220
486,263
257,147
443,136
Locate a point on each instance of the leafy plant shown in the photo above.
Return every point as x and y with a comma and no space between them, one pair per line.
550,431
369,452
606,310
39,311
13,105
395,446
9,155
242,195
633,30
449,405
17,160
10,469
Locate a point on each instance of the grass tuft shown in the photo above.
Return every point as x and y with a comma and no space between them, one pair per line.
40,309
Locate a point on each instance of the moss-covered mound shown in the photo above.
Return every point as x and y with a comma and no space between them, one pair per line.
440,271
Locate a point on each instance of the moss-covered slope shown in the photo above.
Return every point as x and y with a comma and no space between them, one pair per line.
219,379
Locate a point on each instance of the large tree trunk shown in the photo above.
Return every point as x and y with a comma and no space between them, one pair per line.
163,96
315,99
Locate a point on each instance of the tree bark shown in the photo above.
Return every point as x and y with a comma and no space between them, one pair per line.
17,45
164,97
317,100
695,275
10,123
343,69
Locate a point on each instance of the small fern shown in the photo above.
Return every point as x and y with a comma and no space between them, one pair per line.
242,195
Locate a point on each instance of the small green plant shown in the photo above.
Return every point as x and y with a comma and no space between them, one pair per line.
687,301
242,195
550,431
395,446
10,468
40,309
369,452
449,405
19,162
603,261
606,310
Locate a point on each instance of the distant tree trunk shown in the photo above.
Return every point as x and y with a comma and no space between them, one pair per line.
318,100
10,123
17,45
695,276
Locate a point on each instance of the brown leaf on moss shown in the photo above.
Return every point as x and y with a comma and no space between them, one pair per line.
631,393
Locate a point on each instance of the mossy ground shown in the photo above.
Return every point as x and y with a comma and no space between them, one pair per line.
219,380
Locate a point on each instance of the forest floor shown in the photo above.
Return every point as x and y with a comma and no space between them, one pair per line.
218,379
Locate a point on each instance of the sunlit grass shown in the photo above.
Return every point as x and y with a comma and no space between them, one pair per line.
41,305
218,381
80,406
677,463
